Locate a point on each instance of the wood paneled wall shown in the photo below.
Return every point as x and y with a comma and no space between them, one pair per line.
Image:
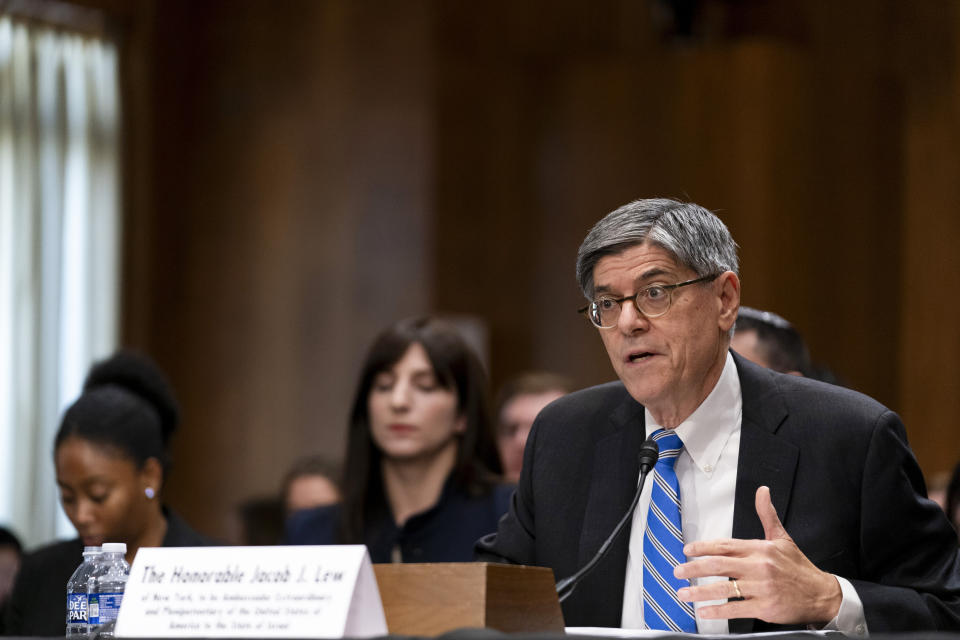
292,219
308,172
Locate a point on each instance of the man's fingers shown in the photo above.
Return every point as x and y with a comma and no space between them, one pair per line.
772,527
718,590
730,547
709,566
735,609
776,581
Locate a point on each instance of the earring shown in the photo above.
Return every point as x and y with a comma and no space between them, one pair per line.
150,493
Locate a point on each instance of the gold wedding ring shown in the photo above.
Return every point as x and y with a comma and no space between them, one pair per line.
737,588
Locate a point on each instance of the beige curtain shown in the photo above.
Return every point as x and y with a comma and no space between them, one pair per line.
59,230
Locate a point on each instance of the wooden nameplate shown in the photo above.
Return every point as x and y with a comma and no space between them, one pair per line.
433,598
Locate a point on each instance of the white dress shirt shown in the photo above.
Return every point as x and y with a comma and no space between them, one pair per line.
707,475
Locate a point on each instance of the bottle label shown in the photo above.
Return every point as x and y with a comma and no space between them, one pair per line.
93,609
109,605
77,608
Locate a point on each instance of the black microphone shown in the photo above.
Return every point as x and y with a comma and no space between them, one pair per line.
649,452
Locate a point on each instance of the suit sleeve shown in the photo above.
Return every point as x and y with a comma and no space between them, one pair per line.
909,559
312,526
515,539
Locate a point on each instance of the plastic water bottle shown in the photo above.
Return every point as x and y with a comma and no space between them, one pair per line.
78,623
106,588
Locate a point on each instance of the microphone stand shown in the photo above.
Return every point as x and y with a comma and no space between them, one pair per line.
649,452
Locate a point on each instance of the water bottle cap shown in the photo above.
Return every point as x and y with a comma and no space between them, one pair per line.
114,547
87,551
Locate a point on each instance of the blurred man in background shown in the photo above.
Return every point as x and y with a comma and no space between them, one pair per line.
770,341
518,403
311,482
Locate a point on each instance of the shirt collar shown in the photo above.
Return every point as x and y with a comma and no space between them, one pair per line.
706,431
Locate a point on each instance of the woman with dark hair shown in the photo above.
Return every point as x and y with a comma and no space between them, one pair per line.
111,459
421,476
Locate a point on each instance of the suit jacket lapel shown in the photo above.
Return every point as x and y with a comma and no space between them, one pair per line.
616,470
764,459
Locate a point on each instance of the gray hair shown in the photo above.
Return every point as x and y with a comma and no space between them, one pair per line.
695,237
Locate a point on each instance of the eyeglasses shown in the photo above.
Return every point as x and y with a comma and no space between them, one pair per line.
652,301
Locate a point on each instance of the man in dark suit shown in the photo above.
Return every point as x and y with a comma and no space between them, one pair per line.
802,505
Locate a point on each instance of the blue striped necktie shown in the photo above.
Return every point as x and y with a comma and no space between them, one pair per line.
663,545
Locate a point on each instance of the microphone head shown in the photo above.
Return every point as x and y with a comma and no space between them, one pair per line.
649,453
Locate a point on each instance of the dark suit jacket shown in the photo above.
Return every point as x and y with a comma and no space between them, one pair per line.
38,604
842,478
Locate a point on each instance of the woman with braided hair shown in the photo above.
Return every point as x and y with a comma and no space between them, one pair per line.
111,459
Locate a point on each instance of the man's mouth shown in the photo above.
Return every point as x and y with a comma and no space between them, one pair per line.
638,356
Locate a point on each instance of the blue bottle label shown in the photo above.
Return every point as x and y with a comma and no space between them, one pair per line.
109,605
77,608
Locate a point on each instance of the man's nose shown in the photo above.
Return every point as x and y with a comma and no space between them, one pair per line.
631,319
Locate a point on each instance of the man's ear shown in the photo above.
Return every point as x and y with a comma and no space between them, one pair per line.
729,299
